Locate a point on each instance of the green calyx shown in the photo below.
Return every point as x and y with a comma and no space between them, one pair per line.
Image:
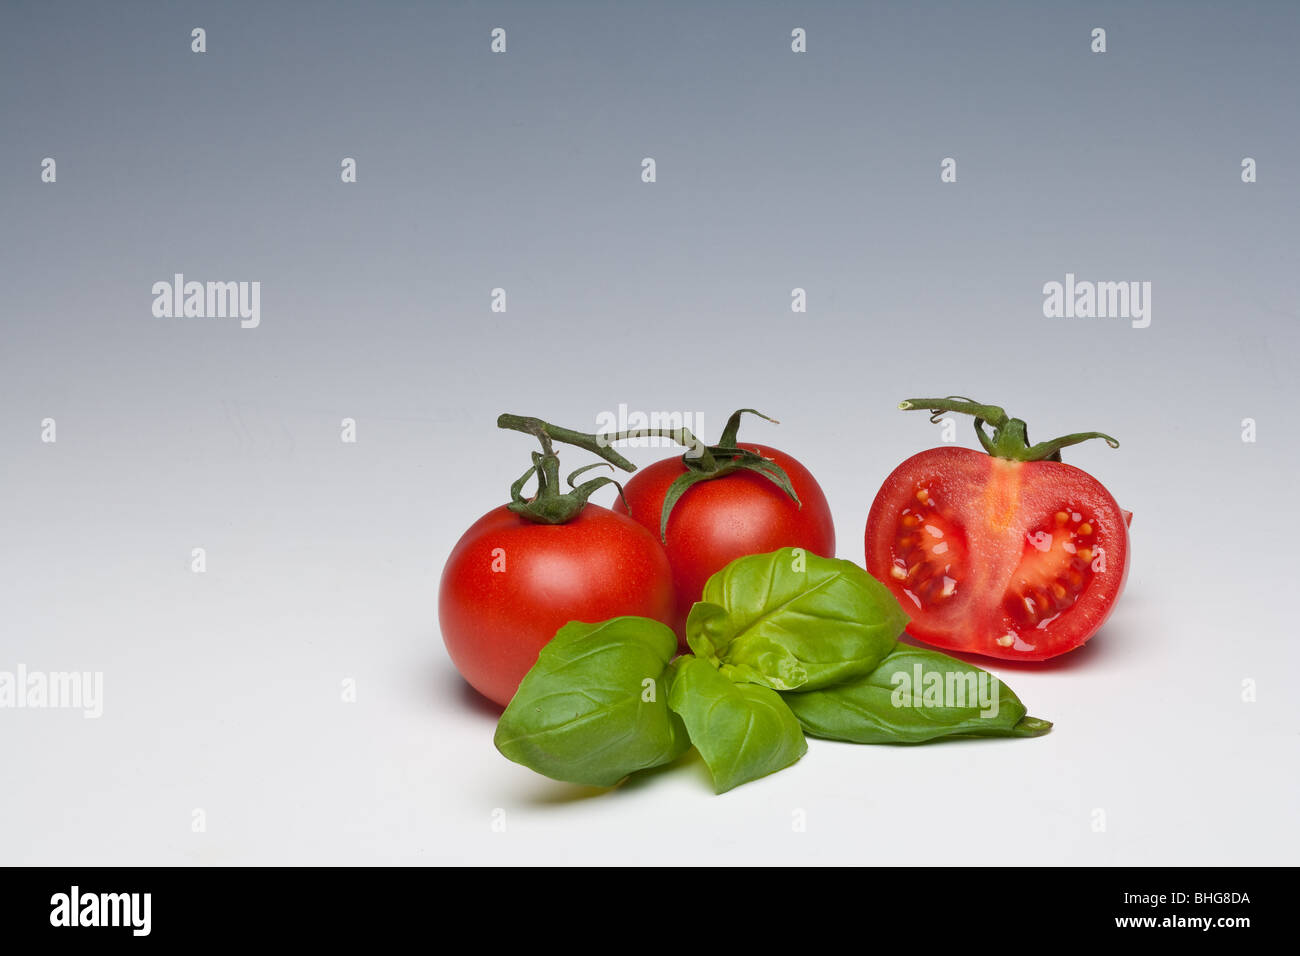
552,504
707,462
1010,436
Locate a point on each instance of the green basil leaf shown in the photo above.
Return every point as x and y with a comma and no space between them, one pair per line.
594,708
913,696
743,731
791,620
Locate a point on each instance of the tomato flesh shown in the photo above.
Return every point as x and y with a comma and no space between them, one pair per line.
1016,560
511,583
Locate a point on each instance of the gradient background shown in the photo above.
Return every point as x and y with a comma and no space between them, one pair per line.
775,170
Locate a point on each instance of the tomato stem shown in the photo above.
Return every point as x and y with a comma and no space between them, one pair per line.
1010,437
551,504
696,450
546,432
707,462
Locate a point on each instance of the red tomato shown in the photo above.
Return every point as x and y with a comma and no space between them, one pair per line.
511,583
728,517
1017,560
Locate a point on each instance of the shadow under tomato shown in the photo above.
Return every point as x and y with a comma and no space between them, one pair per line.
475,702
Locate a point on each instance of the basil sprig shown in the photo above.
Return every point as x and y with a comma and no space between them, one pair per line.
915,695
743,731
791,620
594,708
785,644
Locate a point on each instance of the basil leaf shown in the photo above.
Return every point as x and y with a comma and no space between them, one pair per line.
594,708
742,731
791,620
913,696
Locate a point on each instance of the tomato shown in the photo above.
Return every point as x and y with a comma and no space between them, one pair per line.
524,570
717,520
1015,559
511,583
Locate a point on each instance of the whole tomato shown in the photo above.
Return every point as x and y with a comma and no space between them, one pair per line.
1009,553
526,569
734,500
511,583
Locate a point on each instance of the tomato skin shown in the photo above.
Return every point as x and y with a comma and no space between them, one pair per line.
719,520
1035,553
597,566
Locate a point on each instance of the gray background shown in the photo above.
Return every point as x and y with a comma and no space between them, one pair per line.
775,170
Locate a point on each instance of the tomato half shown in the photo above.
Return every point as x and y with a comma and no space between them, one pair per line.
1021,560
728,517
511,583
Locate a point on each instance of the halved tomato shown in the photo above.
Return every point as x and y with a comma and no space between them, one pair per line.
1016,559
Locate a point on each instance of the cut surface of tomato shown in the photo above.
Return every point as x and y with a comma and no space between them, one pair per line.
1020,560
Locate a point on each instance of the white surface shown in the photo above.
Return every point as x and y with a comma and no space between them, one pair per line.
222,692
775,171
